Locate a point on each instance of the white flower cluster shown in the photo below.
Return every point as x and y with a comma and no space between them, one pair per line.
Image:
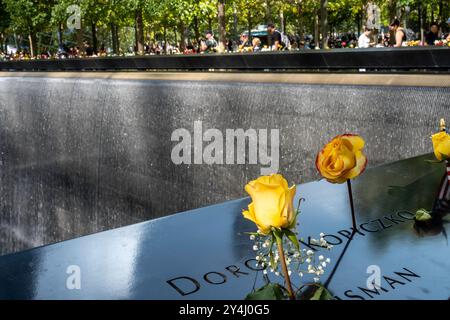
322,242
296,260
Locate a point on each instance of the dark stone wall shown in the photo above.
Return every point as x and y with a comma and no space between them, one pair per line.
80,156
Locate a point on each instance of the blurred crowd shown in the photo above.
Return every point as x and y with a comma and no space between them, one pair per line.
269,40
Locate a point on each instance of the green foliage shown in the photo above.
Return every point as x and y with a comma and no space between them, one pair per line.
25,17
271,291
4,17
28,16
321,293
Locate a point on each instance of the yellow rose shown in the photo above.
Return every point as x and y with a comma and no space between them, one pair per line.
342,159
272,203
441,145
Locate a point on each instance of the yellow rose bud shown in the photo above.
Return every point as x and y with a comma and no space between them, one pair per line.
441,145
272,203
342,159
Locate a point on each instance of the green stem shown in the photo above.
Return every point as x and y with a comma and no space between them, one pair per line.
284,268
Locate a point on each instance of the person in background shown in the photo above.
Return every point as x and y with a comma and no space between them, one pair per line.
399,33
88,49
386,40
432,35
307,44
244,43
380,43
102,52
230,45
256,45
274,38
189,49
210,44
364,39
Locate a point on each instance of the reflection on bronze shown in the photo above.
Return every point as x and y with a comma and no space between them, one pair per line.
430,228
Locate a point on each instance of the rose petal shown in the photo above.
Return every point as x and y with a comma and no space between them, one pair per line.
441,145
357,142
361,163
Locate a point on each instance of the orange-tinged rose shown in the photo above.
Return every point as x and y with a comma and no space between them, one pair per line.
441,145
342,159
272,203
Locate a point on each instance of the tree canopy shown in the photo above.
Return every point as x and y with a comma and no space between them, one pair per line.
121,24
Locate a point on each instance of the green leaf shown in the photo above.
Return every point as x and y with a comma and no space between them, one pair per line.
271,291
322,294
293,238
423,215
434,161
278,235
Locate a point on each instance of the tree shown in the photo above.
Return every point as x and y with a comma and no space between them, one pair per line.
58,17
250,13
222,26
117,16
181,21
94,13
28,17
136,8
4,24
